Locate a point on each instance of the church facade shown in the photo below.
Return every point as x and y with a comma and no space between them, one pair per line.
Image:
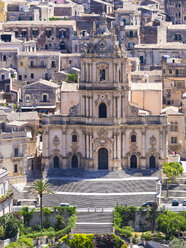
104,131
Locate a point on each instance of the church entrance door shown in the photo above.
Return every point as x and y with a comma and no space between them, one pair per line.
152,162
74,161
133,162
56,162
103,159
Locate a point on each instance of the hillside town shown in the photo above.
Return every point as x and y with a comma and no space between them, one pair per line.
93,123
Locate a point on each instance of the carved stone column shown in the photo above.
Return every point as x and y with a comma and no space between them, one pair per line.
118,146
87,144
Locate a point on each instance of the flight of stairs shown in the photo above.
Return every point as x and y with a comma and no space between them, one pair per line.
94,222
176,191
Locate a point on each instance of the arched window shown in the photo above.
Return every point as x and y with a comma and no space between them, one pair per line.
102,74
102,110
74,138
62,45
133,138
15,168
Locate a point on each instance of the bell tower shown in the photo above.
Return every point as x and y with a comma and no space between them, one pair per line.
104,80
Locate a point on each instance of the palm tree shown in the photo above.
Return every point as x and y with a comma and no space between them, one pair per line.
41,187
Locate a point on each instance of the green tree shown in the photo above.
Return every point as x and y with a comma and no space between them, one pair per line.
172,170
1,232
41,187
10,224
170,222
72,78
27,215
154,212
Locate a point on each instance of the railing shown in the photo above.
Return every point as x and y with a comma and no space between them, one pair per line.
62,120
146,120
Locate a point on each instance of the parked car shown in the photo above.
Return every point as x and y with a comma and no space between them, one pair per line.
175,202
64,204
149,203
184,203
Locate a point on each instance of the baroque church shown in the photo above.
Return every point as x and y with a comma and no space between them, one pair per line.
104,131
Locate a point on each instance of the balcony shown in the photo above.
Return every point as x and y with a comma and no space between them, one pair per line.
9,195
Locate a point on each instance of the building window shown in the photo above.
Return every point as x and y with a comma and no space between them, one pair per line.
35,33
45,98
27,98
4,58
62,34
178,37
141,60
16,151
70,61
24,34
170,71
102,74
177,72
133,138
74,138
62,46
42,63
15,168
102,110
32,75
173,140
53,64
2,77
31,63
48,33
20,77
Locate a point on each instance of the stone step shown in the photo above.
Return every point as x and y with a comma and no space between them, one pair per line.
100,173
92,201
97,217
94,228
101,186
174,193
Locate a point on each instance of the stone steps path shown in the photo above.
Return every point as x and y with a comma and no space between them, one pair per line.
94,222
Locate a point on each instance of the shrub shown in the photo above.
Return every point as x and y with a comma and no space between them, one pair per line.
60,224
21,243
72,78
178,243
47,211
27,215
10,225
146,236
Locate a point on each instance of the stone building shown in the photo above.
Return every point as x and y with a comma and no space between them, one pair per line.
5,195
13,150
50,35
176,134
175,11
42,96
103,131
174,80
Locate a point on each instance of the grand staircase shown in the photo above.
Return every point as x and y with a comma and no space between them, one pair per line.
95,194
